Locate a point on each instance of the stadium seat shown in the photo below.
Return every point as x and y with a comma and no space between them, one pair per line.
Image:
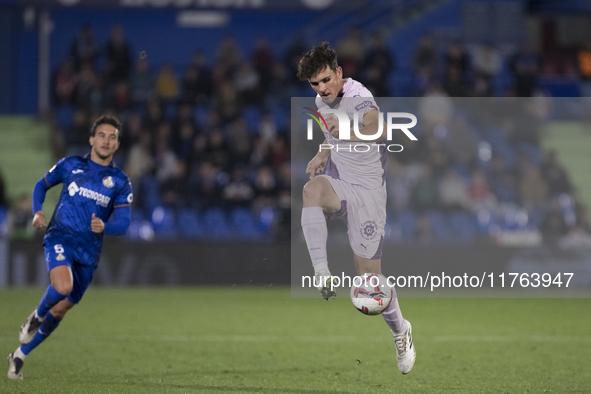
244,224
190,224
163,220
216,224
281,118
463,225
440,228
407,220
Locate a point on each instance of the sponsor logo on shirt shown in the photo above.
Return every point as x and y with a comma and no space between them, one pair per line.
100,199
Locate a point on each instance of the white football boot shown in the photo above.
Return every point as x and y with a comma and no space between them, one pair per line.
405,350
29,328
15,367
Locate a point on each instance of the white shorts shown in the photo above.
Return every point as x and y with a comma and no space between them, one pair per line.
366,216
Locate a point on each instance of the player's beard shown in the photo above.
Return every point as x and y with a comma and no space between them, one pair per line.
102,157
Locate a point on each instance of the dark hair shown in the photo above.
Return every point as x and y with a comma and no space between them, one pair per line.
106,119
316,60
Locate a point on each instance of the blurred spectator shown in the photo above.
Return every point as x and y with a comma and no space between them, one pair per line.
142,83
247,84
229,56
22,218
167,85
119,62
154,116
140,161
227,102
174,190
584,63
554,225
425,193
525,65
435,107
480,194
198,84
84,48
453,192
379,64
487,64
78,134
238,192
423,232
399,187
166,161
351,53
292,57
457,58
265,187
554,175
120,99
533,190
575,238
3,198
209,189
218,151
263,61
453,84
64,83
425,56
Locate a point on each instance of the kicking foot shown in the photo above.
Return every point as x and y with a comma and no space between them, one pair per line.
29,328
405,350
15,367
325,279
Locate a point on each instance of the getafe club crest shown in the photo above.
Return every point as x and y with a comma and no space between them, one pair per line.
369,229
108,182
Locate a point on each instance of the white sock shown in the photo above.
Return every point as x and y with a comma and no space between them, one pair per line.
18,353
316,234
393,316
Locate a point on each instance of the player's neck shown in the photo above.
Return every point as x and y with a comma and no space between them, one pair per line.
103,162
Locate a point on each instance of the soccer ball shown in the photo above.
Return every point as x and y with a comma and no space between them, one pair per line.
371,294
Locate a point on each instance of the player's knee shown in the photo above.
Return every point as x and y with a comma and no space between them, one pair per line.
60,310
313,191
64,288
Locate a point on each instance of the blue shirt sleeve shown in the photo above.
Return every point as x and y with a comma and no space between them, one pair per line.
52,178
120,225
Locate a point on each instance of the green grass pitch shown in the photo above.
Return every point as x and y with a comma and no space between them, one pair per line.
259,340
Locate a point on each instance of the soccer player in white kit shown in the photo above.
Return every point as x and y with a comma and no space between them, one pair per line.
353,185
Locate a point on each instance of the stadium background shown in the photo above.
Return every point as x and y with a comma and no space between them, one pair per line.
204,90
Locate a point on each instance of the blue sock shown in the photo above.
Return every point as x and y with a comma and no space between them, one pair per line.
49,324
48,301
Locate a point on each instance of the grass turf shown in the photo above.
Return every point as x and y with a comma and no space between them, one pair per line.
259,340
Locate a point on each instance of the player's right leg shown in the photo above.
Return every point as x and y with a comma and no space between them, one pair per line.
320,199
61,286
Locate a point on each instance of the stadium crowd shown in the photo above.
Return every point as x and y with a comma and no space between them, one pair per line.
208,142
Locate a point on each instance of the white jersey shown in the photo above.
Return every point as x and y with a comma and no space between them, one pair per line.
361,167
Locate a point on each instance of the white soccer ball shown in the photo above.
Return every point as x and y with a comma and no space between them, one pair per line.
371,294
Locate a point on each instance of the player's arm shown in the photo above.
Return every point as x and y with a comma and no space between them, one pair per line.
318,162
118,226
39,192
371,122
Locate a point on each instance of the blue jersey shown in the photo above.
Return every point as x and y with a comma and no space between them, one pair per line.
88,188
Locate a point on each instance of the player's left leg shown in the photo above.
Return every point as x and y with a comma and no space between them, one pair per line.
49,324
401,328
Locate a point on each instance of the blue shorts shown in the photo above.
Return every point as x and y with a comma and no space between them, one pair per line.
59,251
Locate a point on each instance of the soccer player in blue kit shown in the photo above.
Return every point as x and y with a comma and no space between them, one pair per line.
93,189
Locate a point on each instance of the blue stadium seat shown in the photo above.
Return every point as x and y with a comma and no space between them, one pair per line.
163,220
244,224
216,224
463,225
439,226
281,118
407,221
150,192
190,224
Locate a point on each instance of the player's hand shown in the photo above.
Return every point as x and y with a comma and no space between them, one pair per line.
97,225
333,126
316,165
39,220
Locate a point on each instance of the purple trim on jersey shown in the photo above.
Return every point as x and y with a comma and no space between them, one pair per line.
384,161
331,169
340,213
378,254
